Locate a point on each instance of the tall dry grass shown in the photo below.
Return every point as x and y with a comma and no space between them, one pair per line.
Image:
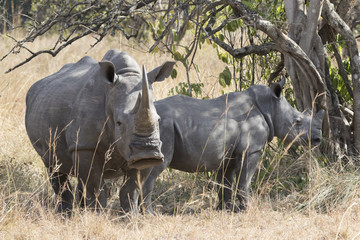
327,207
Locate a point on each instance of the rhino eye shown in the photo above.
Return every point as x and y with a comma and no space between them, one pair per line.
298,121
118,123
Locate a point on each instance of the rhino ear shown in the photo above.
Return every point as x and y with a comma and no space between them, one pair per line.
320,115
107,70
276,89
160,73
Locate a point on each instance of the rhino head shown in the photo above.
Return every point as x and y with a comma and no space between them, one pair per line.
132,114
292,125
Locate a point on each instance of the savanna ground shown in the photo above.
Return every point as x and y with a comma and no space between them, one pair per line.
294,196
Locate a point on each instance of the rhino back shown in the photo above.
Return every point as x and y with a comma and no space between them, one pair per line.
206,131
234,105
61,101
61,87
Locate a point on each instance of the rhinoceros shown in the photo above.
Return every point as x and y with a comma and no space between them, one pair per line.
227,134
91,122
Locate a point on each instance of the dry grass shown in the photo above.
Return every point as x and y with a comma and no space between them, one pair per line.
258,223
326,208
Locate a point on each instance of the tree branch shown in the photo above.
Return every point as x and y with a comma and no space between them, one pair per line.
52,53
286,45
77,20
252,49
277,71
342,70
164,33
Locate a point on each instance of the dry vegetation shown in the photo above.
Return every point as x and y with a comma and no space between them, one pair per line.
327,207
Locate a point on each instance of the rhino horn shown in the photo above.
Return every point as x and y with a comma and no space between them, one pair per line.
144,120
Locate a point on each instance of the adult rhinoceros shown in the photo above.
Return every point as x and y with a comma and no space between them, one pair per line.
227,134
89,121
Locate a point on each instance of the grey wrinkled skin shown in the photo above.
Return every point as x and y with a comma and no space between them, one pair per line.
227,135
89,121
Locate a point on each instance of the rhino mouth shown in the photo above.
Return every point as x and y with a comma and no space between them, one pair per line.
144,160
145,153
305,141
315,141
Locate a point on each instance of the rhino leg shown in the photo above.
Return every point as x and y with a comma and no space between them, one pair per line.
62,188
92,190
225,178
244,177
166,126
148,187
59,182
130,192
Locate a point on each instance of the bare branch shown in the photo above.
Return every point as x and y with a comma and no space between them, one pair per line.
263,49
164,33
213,5
343,9
219,28
52,53
342,70
277,71
76,20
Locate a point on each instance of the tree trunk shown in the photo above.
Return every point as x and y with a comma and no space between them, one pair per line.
4,16
303,30
306,63
338,24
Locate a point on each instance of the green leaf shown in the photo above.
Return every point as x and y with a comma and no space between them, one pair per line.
202,37
197,68
224,57
225,77
178,56
189,25
176,36
275,2
221,37
173,73
249,4
187,50
156,49
161,23
232,26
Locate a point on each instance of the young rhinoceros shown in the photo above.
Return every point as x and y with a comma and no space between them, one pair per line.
89,121
227,134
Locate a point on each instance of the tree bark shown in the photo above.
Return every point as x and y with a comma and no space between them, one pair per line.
334,20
